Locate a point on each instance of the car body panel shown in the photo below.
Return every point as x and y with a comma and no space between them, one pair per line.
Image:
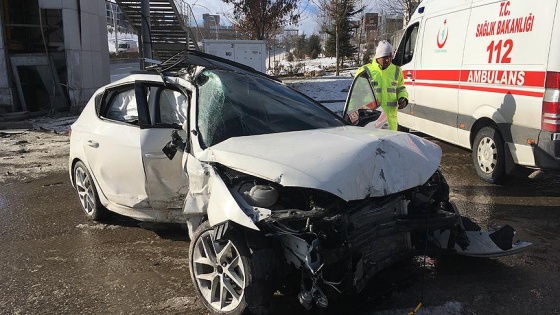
166,182
481,245
120,174
350,162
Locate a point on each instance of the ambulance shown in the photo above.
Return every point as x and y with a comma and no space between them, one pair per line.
485,75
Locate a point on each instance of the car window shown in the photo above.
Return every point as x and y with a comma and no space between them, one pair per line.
172,107
405,52
123,107
361,97
233,104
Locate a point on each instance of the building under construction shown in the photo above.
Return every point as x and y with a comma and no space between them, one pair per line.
53,54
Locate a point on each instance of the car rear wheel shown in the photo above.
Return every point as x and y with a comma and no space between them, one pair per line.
227,279
89,199
488,155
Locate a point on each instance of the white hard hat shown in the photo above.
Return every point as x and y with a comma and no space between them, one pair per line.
384,49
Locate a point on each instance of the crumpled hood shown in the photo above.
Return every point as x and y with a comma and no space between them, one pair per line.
350,162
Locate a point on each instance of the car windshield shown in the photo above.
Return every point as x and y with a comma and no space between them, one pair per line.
233,104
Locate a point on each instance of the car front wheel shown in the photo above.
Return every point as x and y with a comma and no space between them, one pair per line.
488,155
226,277
87,193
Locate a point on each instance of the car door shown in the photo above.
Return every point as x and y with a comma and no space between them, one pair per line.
362,107
112,148
407,57
166,182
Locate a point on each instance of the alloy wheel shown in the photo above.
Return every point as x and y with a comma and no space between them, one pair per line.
85,190
219,272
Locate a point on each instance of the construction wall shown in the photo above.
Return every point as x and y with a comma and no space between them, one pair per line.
85,43
6,96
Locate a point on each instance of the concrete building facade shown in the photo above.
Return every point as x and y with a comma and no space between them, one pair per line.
53,53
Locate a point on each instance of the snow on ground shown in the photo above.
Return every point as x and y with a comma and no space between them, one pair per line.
330,90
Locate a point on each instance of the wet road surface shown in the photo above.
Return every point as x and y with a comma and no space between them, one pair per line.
54,261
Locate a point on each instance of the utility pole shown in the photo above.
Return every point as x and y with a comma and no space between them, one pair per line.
146,33
336,48
336,39
113,9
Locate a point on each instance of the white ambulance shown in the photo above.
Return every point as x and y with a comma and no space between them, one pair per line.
485,75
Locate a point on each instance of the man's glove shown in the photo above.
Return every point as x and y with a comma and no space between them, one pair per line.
402,102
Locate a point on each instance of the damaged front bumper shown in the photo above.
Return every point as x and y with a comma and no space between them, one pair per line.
371,243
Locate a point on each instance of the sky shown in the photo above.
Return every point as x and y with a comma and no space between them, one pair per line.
307,25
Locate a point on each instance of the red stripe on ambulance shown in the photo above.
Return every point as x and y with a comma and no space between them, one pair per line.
503,77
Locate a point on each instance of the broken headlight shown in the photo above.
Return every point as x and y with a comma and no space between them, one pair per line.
259,195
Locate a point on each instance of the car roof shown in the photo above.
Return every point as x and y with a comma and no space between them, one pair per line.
188,58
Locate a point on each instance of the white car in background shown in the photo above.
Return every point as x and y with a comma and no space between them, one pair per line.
276,190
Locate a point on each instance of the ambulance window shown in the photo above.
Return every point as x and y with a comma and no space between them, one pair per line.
406,47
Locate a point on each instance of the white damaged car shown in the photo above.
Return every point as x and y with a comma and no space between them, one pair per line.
276,190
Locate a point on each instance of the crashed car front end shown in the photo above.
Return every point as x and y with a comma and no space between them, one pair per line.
284,194
331,242
339,245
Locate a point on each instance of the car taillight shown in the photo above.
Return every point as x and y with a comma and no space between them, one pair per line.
551,103
69,131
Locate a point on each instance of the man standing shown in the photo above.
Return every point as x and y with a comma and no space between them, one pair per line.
387,81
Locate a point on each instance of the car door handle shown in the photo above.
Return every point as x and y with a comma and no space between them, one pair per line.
409,75
93,144
155,156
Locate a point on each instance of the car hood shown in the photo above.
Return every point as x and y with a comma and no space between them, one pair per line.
350,162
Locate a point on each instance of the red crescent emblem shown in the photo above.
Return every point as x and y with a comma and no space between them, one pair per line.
440,45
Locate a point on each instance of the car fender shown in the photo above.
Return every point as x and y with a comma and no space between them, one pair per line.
223,207
208,194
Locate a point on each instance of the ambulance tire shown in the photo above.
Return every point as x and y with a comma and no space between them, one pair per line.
403,129
488,155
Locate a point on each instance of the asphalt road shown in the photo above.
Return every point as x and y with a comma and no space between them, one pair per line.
54,261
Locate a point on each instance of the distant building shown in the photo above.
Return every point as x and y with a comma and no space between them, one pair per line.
115,16
210,21
370,25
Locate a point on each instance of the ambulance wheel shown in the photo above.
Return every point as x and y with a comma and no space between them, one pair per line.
488,155
403,129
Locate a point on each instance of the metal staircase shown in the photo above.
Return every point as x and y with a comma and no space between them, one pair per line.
172,26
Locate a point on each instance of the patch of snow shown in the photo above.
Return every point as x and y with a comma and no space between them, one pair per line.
97,226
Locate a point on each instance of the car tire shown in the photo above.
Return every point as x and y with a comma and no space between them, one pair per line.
226,266
87,193
488,155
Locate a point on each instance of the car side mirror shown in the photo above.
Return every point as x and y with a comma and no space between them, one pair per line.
176,143
366,115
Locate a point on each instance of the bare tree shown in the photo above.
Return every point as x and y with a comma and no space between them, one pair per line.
336,22
398,7
262,19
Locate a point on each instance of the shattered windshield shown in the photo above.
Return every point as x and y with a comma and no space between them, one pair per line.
233,104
